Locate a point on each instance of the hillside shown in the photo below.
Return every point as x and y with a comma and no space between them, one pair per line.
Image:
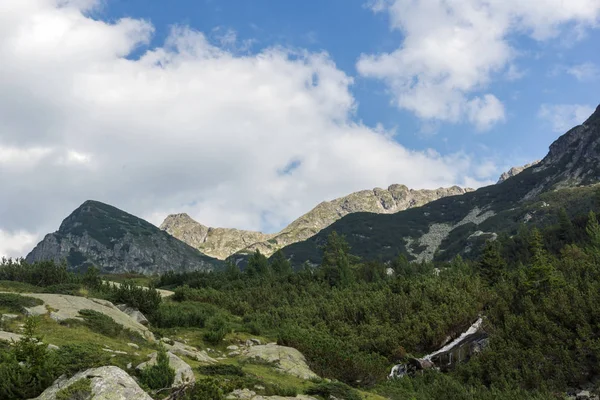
222,242
116,242
460,225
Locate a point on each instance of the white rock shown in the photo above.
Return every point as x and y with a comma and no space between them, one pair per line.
107,383
135,346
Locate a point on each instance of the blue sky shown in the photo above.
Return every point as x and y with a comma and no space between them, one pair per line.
345,29
247,114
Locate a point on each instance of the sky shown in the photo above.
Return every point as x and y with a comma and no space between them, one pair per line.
247,114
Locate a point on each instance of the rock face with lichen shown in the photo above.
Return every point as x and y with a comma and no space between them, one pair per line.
116,242
105,383
221,242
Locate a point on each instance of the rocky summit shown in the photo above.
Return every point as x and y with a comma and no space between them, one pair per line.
515,171
441,229
222,242
117,242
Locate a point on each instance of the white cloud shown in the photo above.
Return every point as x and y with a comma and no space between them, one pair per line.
16,244
563,117
452,49
584,72
186,127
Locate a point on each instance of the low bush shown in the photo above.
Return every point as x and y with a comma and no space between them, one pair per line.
105,325
75,357
221,369
160,375
15,303
79,390
336,390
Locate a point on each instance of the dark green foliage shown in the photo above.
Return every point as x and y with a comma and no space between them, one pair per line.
258,265
336,261
75,357
491,265
43,273
160,375
221,369
184,314
15,303
204,389
28,368
105,325
79,390
337,390
147,300
73,289
217,329
280,265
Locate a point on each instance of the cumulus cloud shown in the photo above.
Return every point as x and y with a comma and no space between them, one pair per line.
188,126
563,117
584,72
451,49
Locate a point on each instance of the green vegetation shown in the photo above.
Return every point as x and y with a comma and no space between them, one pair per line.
79,390
14,303
159,375
105,325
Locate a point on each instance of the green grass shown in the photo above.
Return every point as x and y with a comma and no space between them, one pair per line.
14,303
19,287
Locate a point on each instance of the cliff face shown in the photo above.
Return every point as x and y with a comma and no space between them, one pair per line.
515,171
222,242
116,242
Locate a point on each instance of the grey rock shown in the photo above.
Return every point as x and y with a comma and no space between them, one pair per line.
9,336
135,346
67,307
107,383
7,317
185,350
183,372
232,347
287,359
53,347
134,313
514,171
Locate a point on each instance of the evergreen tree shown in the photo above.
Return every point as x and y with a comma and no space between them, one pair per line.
336,261
566,230
593,230
259,263
491,264
280,265
232,272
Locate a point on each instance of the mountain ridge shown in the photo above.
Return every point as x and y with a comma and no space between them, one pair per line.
224,242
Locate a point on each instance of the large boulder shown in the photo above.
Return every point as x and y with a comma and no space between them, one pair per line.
185,350
287,359
134,313
106,383
62,307
9,336
183,372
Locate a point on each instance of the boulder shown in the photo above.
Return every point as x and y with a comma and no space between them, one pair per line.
9,336
6,317
183,372
185,350
107,383
134,313
233,347
287,359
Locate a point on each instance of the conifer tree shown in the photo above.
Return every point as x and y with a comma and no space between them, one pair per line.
491,264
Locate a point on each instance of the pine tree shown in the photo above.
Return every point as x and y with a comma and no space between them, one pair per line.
491,264
280,265
566,230
259,263
593,230
336,261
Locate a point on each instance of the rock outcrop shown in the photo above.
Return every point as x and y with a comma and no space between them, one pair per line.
116,242
287,359
185,350
62,307
247,394
515,171
222,243
183,372
106,383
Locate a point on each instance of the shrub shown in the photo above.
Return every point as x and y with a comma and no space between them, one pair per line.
75,357
334,389
15,303
204,389
160,375
73,289
221,369
105,325
28,368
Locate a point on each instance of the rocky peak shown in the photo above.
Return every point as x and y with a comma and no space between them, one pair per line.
104,236
515,171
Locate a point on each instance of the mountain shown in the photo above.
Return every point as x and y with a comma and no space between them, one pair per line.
116,242
515,171
216,242
223,242
455,225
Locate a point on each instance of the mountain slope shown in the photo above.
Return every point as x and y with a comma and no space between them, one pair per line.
460,224
223,242
115,241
